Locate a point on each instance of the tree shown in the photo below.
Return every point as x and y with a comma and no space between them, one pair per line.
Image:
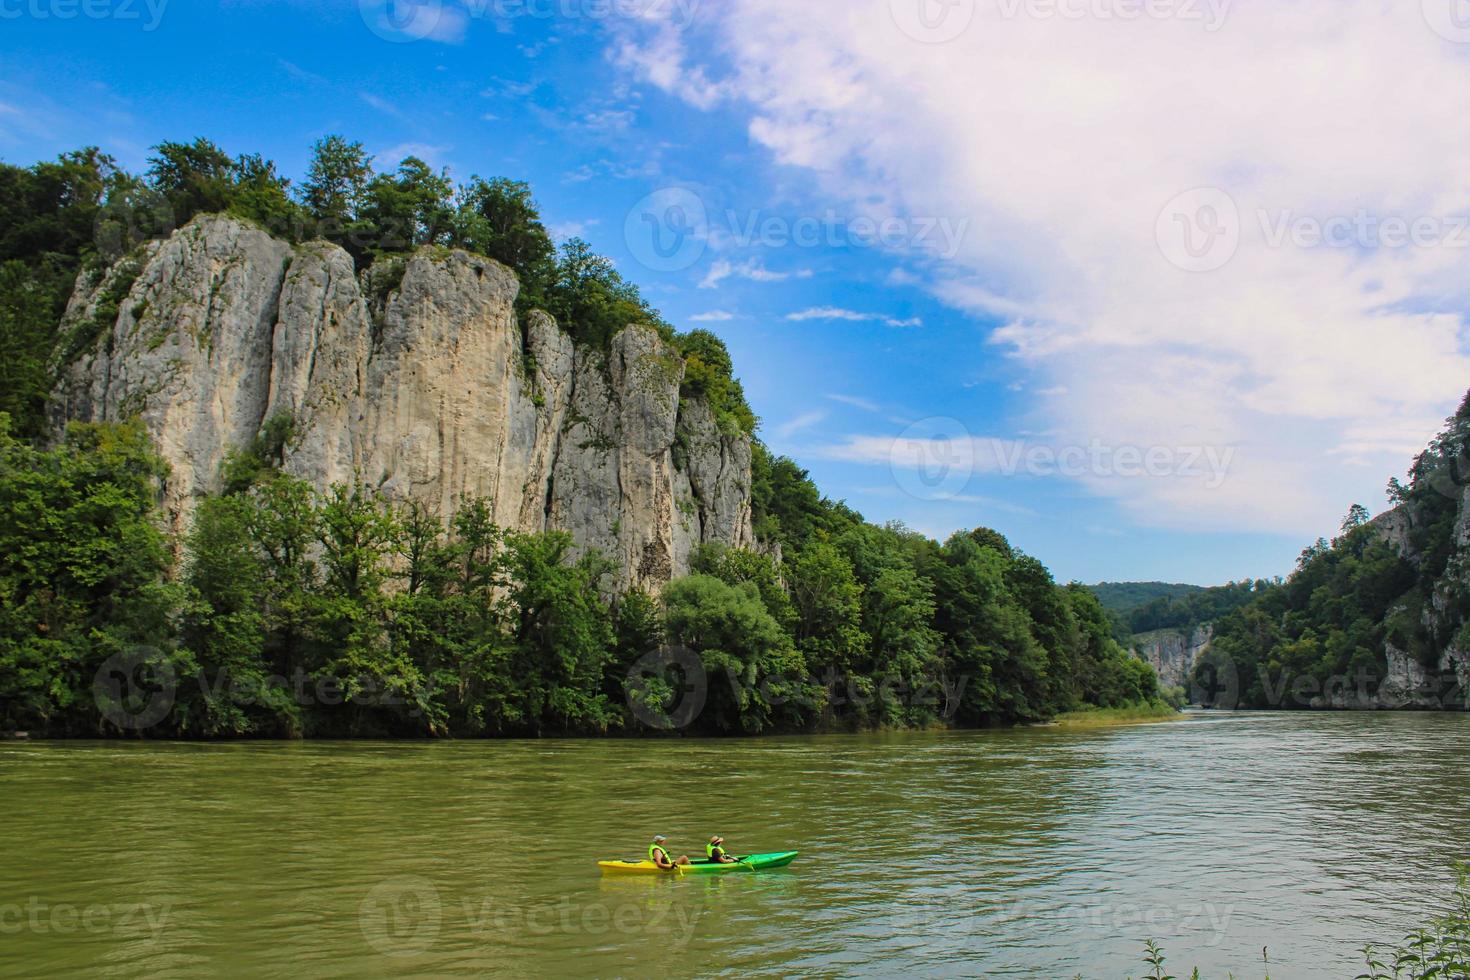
755,678
828,601
336,185
224,627
561,631
194,178
27,323
403,211
82,578
499,219
591,301
1356,517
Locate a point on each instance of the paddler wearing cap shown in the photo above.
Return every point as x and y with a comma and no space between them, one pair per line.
715,850
659,855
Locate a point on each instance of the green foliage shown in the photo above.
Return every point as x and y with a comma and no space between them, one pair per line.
336,185
82,578
755,674
709,374
27,321
1191,609
592,301
498,218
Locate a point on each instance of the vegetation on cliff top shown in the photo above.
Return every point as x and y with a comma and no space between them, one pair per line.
83,210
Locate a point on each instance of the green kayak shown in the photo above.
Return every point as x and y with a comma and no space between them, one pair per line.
754,862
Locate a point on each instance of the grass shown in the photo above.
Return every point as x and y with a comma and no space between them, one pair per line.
1138,714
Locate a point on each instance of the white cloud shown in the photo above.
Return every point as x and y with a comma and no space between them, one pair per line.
752,269
837,313
800,423
1056,140
394,155
382,105
713,316
856,402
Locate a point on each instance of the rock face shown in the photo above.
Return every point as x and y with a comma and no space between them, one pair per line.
430,388
1173,653
1438,681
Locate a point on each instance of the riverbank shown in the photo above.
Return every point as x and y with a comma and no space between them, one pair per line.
1140,714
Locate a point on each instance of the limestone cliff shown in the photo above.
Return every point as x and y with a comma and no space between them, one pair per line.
1437,676
429,387
1174,652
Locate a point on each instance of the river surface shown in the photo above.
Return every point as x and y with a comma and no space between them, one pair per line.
1034,853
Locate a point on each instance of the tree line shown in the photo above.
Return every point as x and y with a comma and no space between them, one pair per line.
292,612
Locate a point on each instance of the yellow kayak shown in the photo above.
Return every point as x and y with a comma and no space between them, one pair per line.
755,862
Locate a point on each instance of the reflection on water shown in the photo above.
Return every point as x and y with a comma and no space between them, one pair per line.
1038,853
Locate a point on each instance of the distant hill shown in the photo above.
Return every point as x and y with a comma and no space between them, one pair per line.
1143,607
1124,597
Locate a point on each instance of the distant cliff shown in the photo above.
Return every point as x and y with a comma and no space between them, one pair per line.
1174,652
416,376
1377,618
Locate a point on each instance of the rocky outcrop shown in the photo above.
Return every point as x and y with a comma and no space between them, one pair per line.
430,388
1173,653
1439,682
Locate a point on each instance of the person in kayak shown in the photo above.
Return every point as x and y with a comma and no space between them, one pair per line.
659,855
715,849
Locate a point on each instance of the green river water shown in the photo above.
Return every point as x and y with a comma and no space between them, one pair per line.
1033,853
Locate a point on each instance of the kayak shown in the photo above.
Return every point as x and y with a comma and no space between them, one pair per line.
754,862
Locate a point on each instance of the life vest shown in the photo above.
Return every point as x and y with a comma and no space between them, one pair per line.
658,847
714,851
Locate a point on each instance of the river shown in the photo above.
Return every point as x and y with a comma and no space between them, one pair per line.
1032,853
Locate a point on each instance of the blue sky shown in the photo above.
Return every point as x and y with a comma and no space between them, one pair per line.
966,330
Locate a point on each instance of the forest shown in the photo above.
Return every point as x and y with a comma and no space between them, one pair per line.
285,611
